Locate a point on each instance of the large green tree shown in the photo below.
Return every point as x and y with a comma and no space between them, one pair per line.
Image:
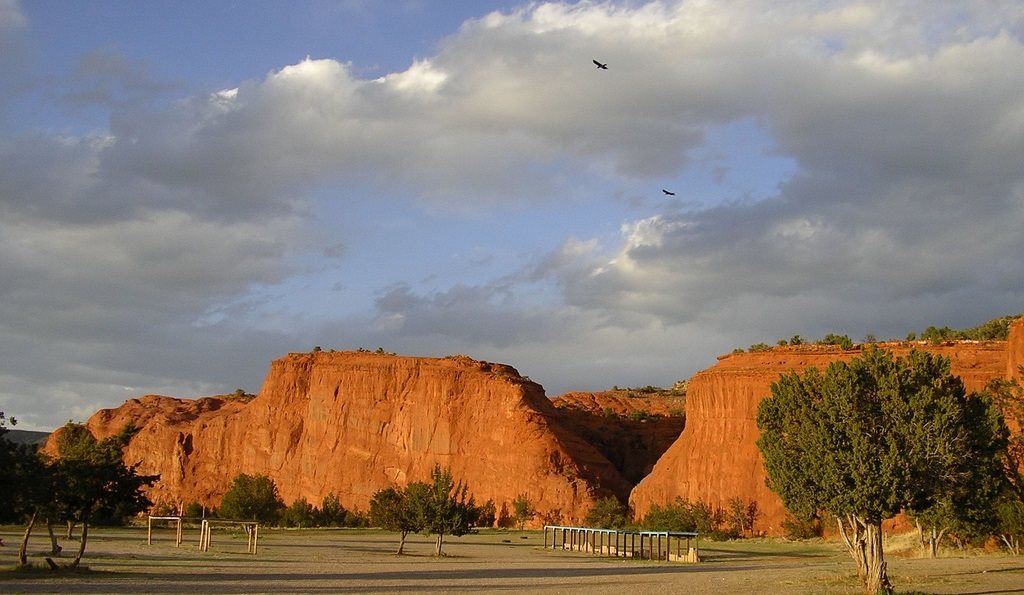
867,439
91,480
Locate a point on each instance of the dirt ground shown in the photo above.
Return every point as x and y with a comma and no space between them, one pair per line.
354,561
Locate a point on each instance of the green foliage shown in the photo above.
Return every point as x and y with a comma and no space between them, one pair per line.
92,483
89,481
870,437
252,498
194,510
1010,526
796,340
802,528
241,395
681,515
402,511
874,436
442,507
962,502
1008,395
997,329
639,415
300,514
608,513
842,341
332,514
449,508
23,475
522,510
759,347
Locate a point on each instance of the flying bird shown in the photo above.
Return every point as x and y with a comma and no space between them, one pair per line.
600,66
668,193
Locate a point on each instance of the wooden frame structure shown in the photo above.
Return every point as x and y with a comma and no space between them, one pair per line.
654,545
252,531
177,532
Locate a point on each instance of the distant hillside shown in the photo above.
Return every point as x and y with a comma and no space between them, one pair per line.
26,437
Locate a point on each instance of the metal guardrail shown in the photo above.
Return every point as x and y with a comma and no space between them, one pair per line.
642,545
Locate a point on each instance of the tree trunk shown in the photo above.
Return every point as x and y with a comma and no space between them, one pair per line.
863,539
401,542
71,530
440,541
54,546
81,547
23,550
934,539
1011,543
877,577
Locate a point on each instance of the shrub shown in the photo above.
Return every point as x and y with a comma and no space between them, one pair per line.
252,498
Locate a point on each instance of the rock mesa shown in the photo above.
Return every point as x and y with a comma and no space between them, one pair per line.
716,457
352,423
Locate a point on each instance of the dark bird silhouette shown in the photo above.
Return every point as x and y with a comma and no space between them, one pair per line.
600,66
668,193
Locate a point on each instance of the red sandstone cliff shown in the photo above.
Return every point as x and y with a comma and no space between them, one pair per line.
1015,350
353,423
716,457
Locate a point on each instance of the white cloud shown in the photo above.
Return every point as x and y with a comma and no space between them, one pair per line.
11,16
137,255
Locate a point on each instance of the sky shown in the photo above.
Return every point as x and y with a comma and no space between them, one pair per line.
190,190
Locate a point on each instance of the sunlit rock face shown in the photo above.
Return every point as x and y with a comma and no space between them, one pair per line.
716,457
1015,350
352,423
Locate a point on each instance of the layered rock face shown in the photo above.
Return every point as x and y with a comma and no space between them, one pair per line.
631,430
716,457
353,423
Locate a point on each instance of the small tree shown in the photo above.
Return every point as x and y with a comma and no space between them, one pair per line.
865,440
448,508
399,510
843,341
300,514
251,498
331,513
523,510
608,513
